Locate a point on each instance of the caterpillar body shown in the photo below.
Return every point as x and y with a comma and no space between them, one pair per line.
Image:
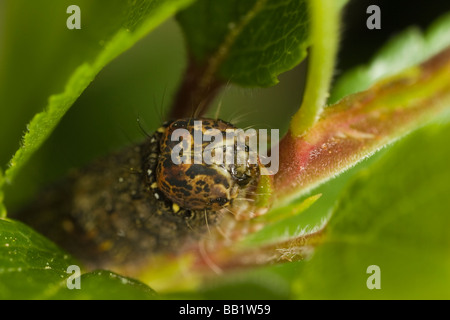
127,206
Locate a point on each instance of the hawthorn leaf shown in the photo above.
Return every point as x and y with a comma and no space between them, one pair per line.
32,267
248,43
251,42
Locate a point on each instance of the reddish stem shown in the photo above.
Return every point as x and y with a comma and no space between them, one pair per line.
195,93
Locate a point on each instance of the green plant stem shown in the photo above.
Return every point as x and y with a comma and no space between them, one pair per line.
324,39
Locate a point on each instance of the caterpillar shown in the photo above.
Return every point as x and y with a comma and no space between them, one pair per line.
129,205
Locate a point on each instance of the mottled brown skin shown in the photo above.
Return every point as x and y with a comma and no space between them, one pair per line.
113,214
201,186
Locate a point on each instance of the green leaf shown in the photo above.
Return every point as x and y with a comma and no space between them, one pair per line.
407,49
32,267
126,23
395,216
247,42
106,285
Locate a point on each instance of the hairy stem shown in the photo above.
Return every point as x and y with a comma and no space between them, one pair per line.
324,41
195,92
360,124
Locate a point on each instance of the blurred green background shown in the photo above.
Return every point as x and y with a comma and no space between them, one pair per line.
36,56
